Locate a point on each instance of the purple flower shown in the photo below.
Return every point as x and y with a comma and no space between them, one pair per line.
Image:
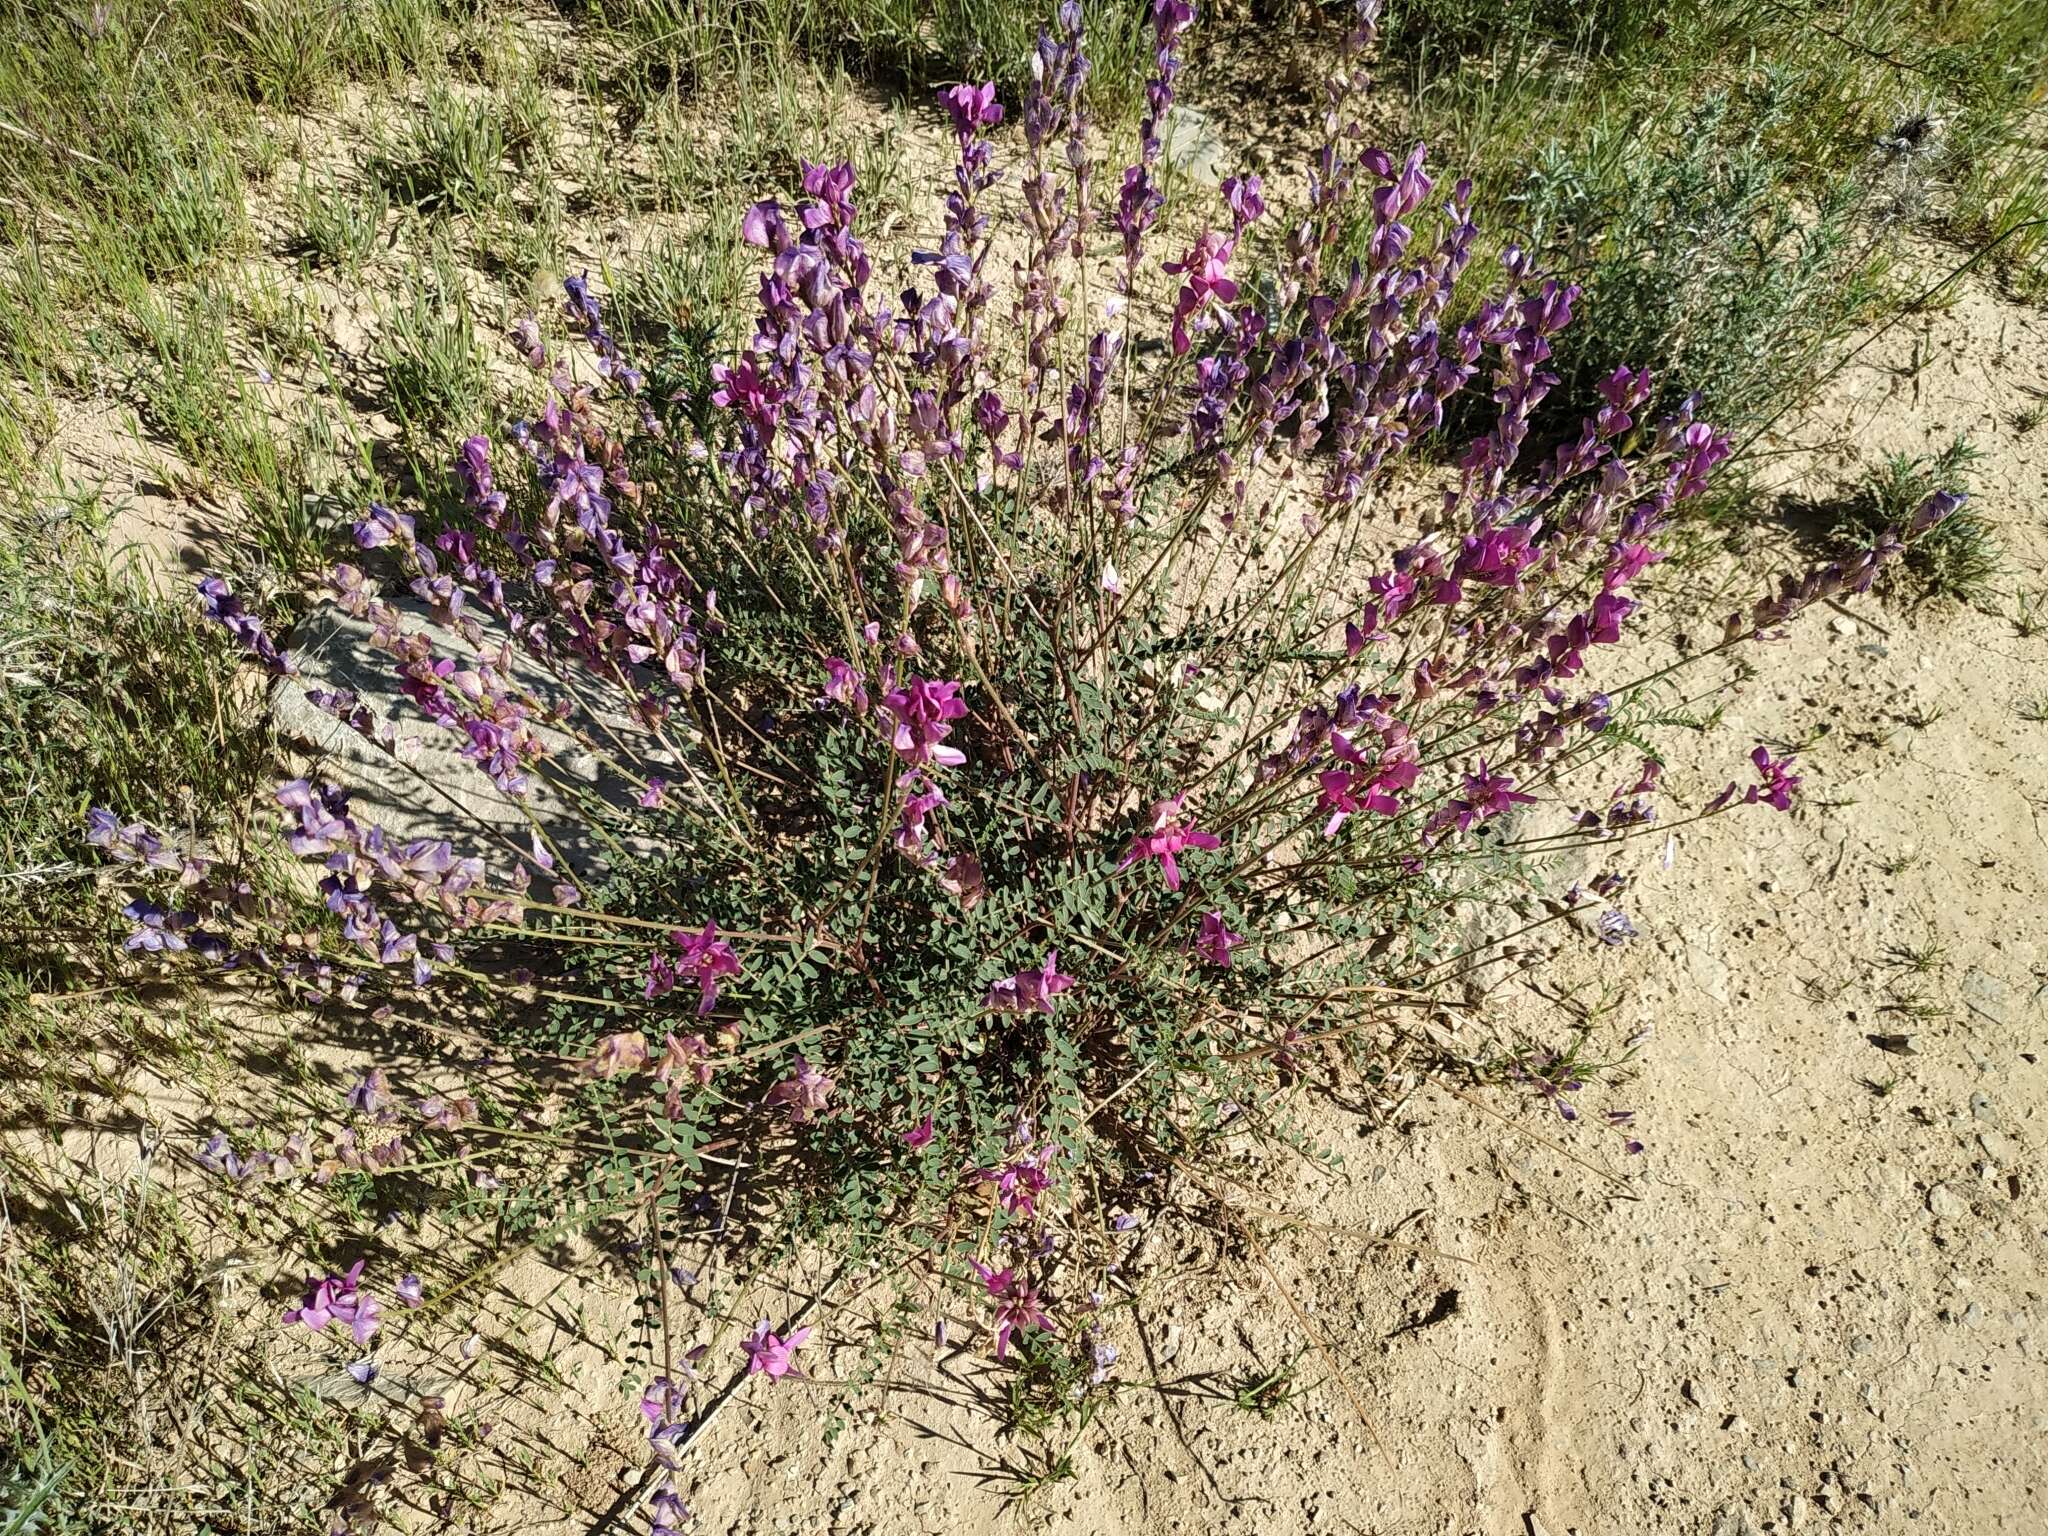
1216,940
1778,782
157,932
225,609
1029,991
1171,834
771,1355
919,1135
370,1092
973,108
336,1299
409,1290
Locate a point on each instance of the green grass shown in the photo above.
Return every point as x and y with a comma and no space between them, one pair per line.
111,693
1727,181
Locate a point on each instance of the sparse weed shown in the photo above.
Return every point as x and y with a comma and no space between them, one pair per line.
451,158
1963,560
342,225
434,372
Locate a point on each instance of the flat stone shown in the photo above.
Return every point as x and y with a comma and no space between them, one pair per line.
1945,1202
1192,146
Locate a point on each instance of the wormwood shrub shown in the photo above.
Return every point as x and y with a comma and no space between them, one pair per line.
1026,746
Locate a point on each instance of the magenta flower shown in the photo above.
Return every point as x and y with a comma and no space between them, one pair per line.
1216,941
919,1135
1777,784
805,1091
921,709
972,107
703,957
1170,835
1486,795
1018,1305
1029,991
771,1355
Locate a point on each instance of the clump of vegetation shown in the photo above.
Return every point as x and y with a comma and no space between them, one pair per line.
1961,560
1723,181
959,768
125,682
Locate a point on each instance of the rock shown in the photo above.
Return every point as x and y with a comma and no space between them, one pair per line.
1795,1512
1986,994
1980,1108
1736,1520
1192,146
1842,624
1997,1146
1862,1344
1699,1394
1946,1203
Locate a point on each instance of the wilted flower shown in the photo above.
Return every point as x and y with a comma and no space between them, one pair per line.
805,1091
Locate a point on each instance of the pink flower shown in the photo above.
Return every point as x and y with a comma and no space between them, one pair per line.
1168,837
845,685
1029,991
921,709
805,1091
771,1355
1018,1305
702,956
919,1135
1216,941
1206,282
655,796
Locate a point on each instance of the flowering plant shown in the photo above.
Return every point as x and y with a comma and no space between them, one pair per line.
1023,748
